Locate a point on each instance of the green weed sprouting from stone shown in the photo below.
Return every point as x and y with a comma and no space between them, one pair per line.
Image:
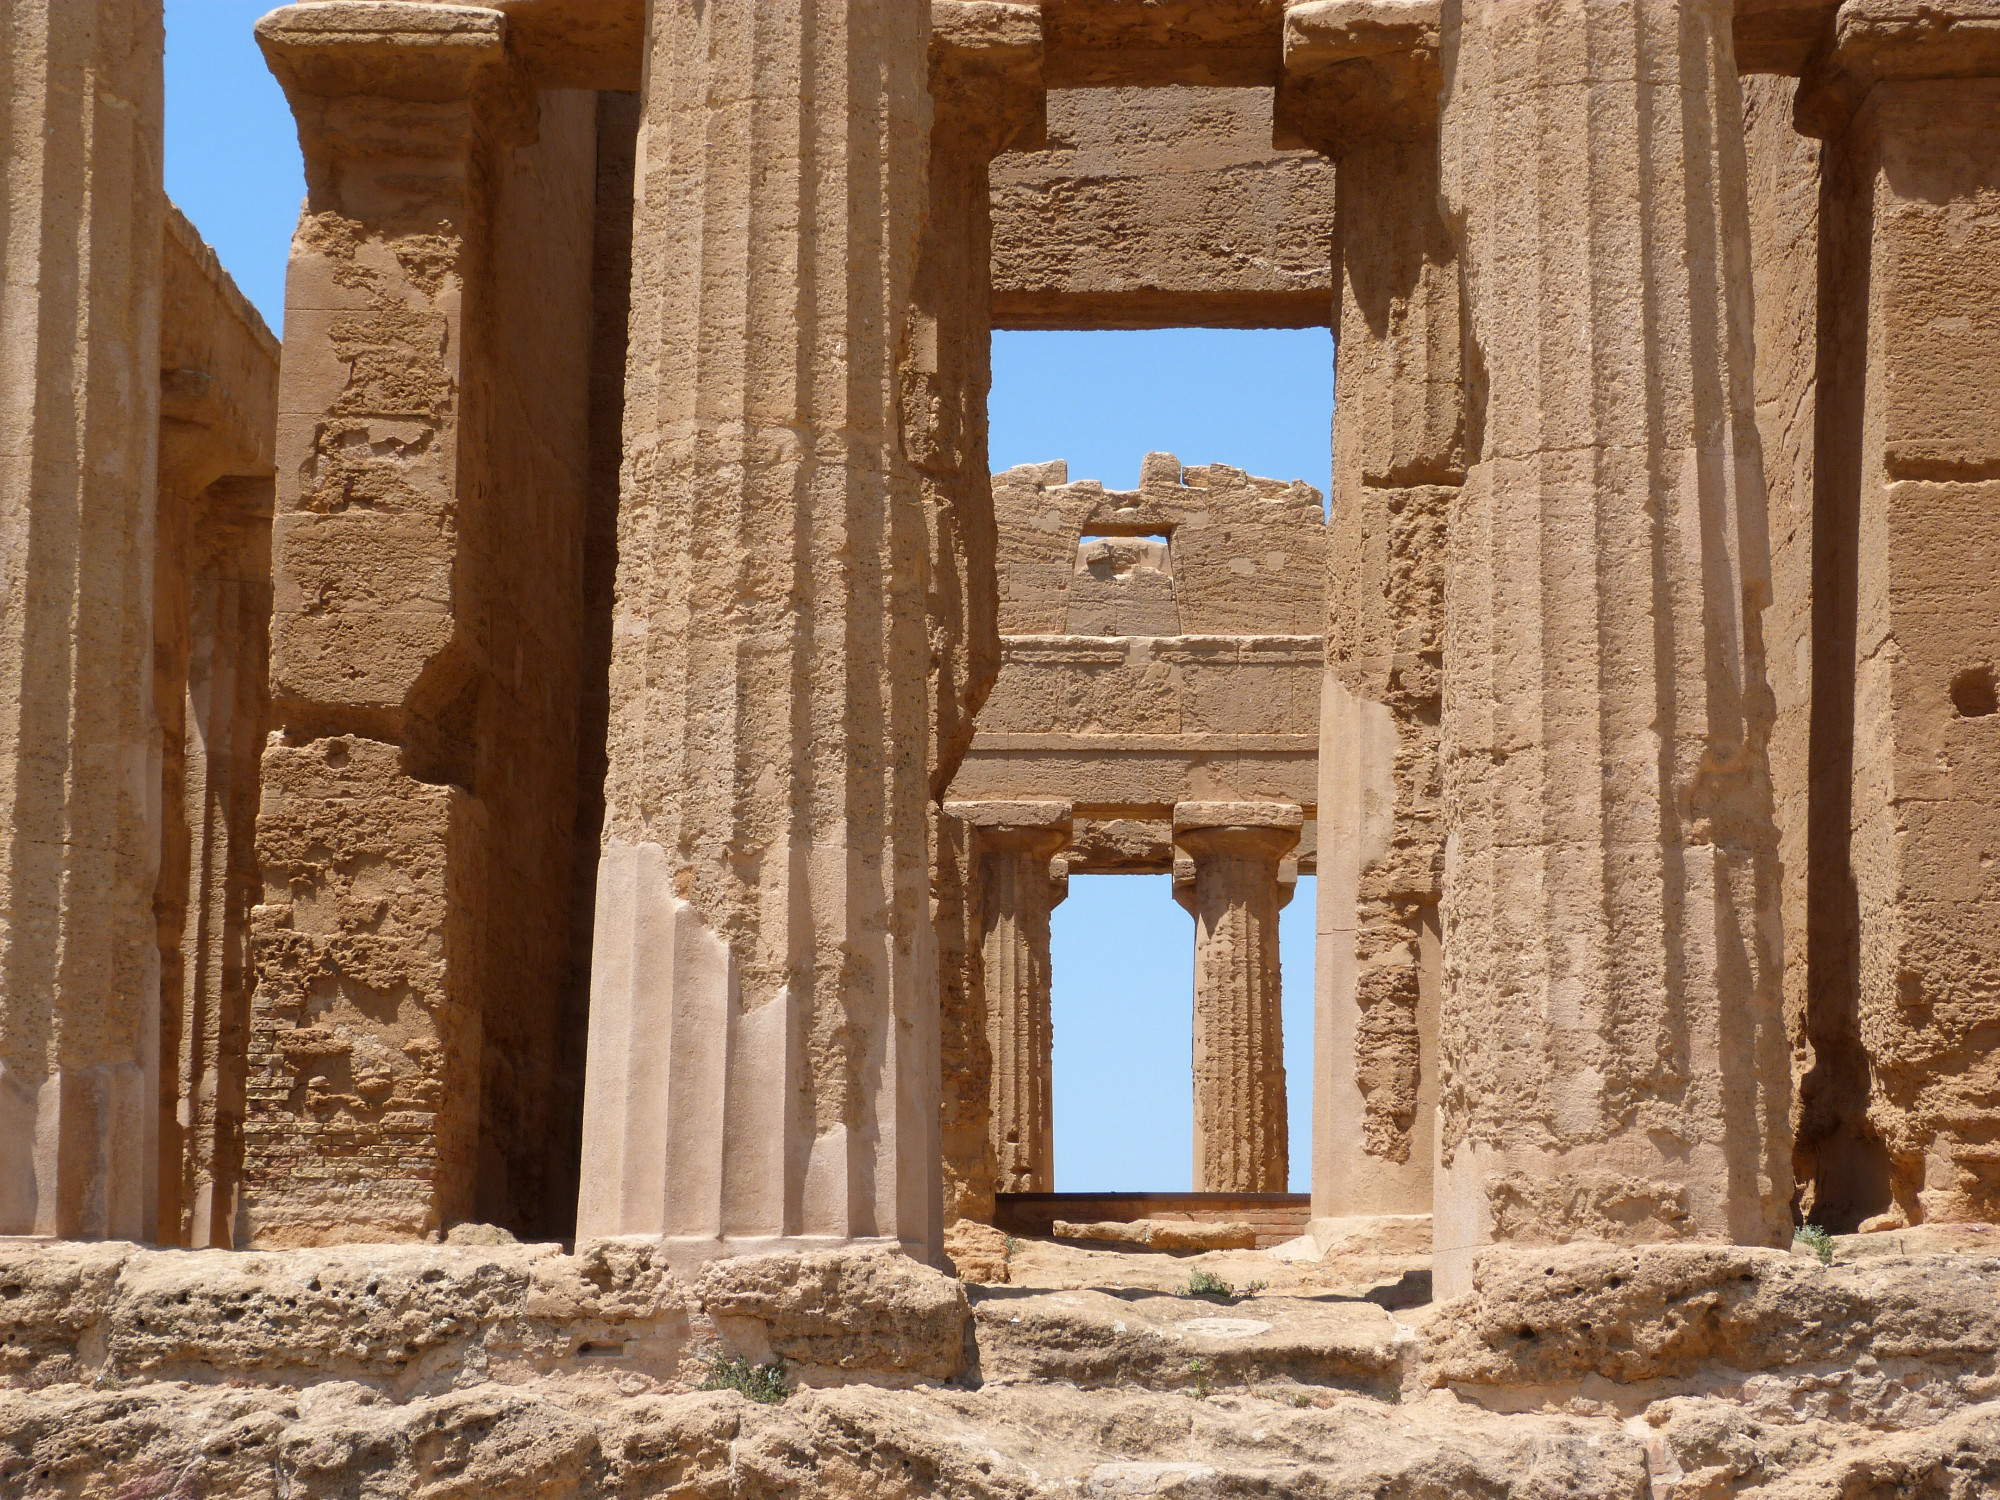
761,1383
1200,1372
1012,1243
1817,1240
1207,1284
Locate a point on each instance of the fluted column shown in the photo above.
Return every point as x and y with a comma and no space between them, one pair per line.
1240,1141
1904,905
763,1034
1613,1054
1361,85
80,120
1013,844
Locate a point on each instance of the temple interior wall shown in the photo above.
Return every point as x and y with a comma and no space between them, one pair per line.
525,519
1829,1076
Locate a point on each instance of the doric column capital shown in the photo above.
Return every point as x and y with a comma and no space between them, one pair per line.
383,49
1359,71
1038,828
1893,41
1237,829
986,73
396,78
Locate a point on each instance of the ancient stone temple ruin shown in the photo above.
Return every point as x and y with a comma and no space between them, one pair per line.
536,799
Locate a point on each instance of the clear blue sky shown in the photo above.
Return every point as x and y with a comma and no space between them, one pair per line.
1263,401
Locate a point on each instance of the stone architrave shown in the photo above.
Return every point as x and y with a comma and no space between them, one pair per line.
79,760
1013,890
1240,1142
763,1029
1906,908
1613,1052
1361,84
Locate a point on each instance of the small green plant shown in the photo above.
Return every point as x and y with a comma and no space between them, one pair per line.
761,1383
1817,1240
1012,1245
1302,1400
1200,1372
1207,1284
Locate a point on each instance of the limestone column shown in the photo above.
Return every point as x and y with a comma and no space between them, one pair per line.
1906,909
763,1033
1013,891
986,94
80,120
1240,1142
1612,1050
364,1052
1361,85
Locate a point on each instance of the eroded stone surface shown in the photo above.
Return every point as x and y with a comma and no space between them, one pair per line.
518,1370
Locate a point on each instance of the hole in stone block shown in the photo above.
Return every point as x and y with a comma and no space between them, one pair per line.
1973,694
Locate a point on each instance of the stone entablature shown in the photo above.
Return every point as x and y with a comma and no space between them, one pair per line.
1161,208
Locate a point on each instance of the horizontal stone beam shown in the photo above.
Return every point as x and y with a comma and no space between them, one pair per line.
1162,208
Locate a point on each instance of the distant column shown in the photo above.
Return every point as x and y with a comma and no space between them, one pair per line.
1013,891
1614,1061
1240,1142
1905,904
79,759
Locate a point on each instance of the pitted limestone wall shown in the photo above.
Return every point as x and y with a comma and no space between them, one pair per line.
1097,706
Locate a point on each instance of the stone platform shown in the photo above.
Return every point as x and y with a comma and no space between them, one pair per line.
1276,1217
1654,1373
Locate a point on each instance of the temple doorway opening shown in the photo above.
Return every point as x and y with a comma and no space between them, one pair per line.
1122,1010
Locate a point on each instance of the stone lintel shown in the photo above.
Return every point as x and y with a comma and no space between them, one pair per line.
577,44
1901,41
1203,43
